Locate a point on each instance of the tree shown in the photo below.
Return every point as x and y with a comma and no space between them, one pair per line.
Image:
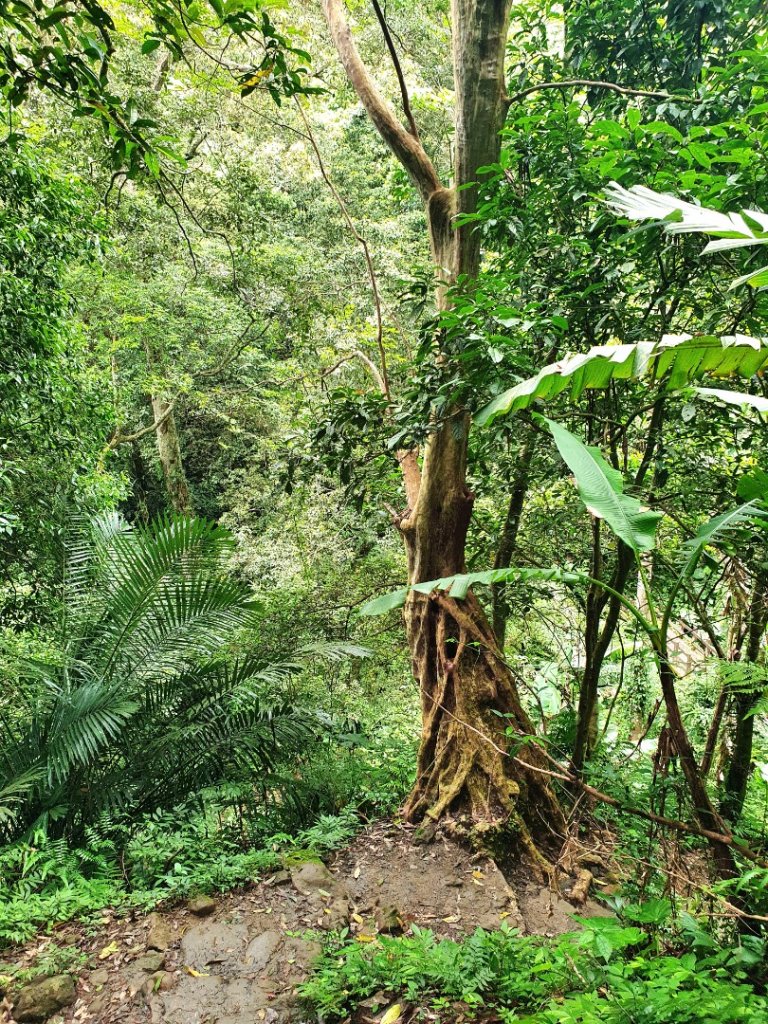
469,696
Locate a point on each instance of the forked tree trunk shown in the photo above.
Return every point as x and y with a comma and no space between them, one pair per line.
469,698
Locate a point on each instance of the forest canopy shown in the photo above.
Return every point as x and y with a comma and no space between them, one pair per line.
383,467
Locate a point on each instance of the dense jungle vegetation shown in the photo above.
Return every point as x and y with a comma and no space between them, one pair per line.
383,433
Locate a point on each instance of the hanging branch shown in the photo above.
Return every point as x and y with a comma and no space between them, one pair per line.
398,70
383,376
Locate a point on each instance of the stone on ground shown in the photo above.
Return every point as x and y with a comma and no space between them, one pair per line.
41,999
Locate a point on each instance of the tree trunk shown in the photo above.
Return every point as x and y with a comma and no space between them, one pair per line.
740,765
703,808
169,454
469,698
167,437
597,642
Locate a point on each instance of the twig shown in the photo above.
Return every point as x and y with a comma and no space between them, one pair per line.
575,83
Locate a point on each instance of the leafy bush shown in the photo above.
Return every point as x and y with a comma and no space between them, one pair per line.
612,972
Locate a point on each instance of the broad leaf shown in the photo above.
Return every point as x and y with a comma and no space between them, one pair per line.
459,585
678,360
750,227
740,398
715,529
601,488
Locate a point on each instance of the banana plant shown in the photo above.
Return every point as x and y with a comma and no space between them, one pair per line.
676,360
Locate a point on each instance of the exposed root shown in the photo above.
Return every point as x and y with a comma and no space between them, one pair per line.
470,707
580,890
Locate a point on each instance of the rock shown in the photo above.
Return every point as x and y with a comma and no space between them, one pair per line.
312,876
201,906
455,883
213,941
99,978
150,962
98,1005
160,981
261,949
163,981
160,934
42,998
336,915
279,878
388,920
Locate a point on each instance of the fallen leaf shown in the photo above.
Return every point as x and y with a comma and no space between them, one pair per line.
365,938
453,919
195,974
392,1014
478,874
356,873
109,950
357,919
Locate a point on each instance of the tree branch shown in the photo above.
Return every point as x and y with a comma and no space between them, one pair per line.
587,83
398,69
119,438
405,147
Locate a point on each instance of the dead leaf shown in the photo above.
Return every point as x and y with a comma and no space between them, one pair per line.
108,951
392,1014
195,974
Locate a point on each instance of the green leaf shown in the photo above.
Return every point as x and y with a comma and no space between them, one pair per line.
744,516
459,585
740,398
601,488
385,603
753,486
676,360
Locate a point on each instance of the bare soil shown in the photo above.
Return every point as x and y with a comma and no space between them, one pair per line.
239,959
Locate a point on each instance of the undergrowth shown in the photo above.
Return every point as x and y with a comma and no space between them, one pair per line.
634,969
216,843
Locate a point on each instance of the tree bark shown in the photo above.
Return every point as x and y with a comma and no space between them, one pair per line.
469,698
167,439
740,765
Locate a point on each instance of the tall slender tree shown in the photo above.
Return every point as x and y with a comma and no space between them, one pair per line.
470,701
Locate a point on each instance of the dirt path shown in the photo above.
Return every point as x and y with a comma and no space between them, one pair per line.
239,958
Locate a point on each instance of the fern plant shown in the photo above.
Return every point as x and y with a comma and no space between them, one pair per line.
151,698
